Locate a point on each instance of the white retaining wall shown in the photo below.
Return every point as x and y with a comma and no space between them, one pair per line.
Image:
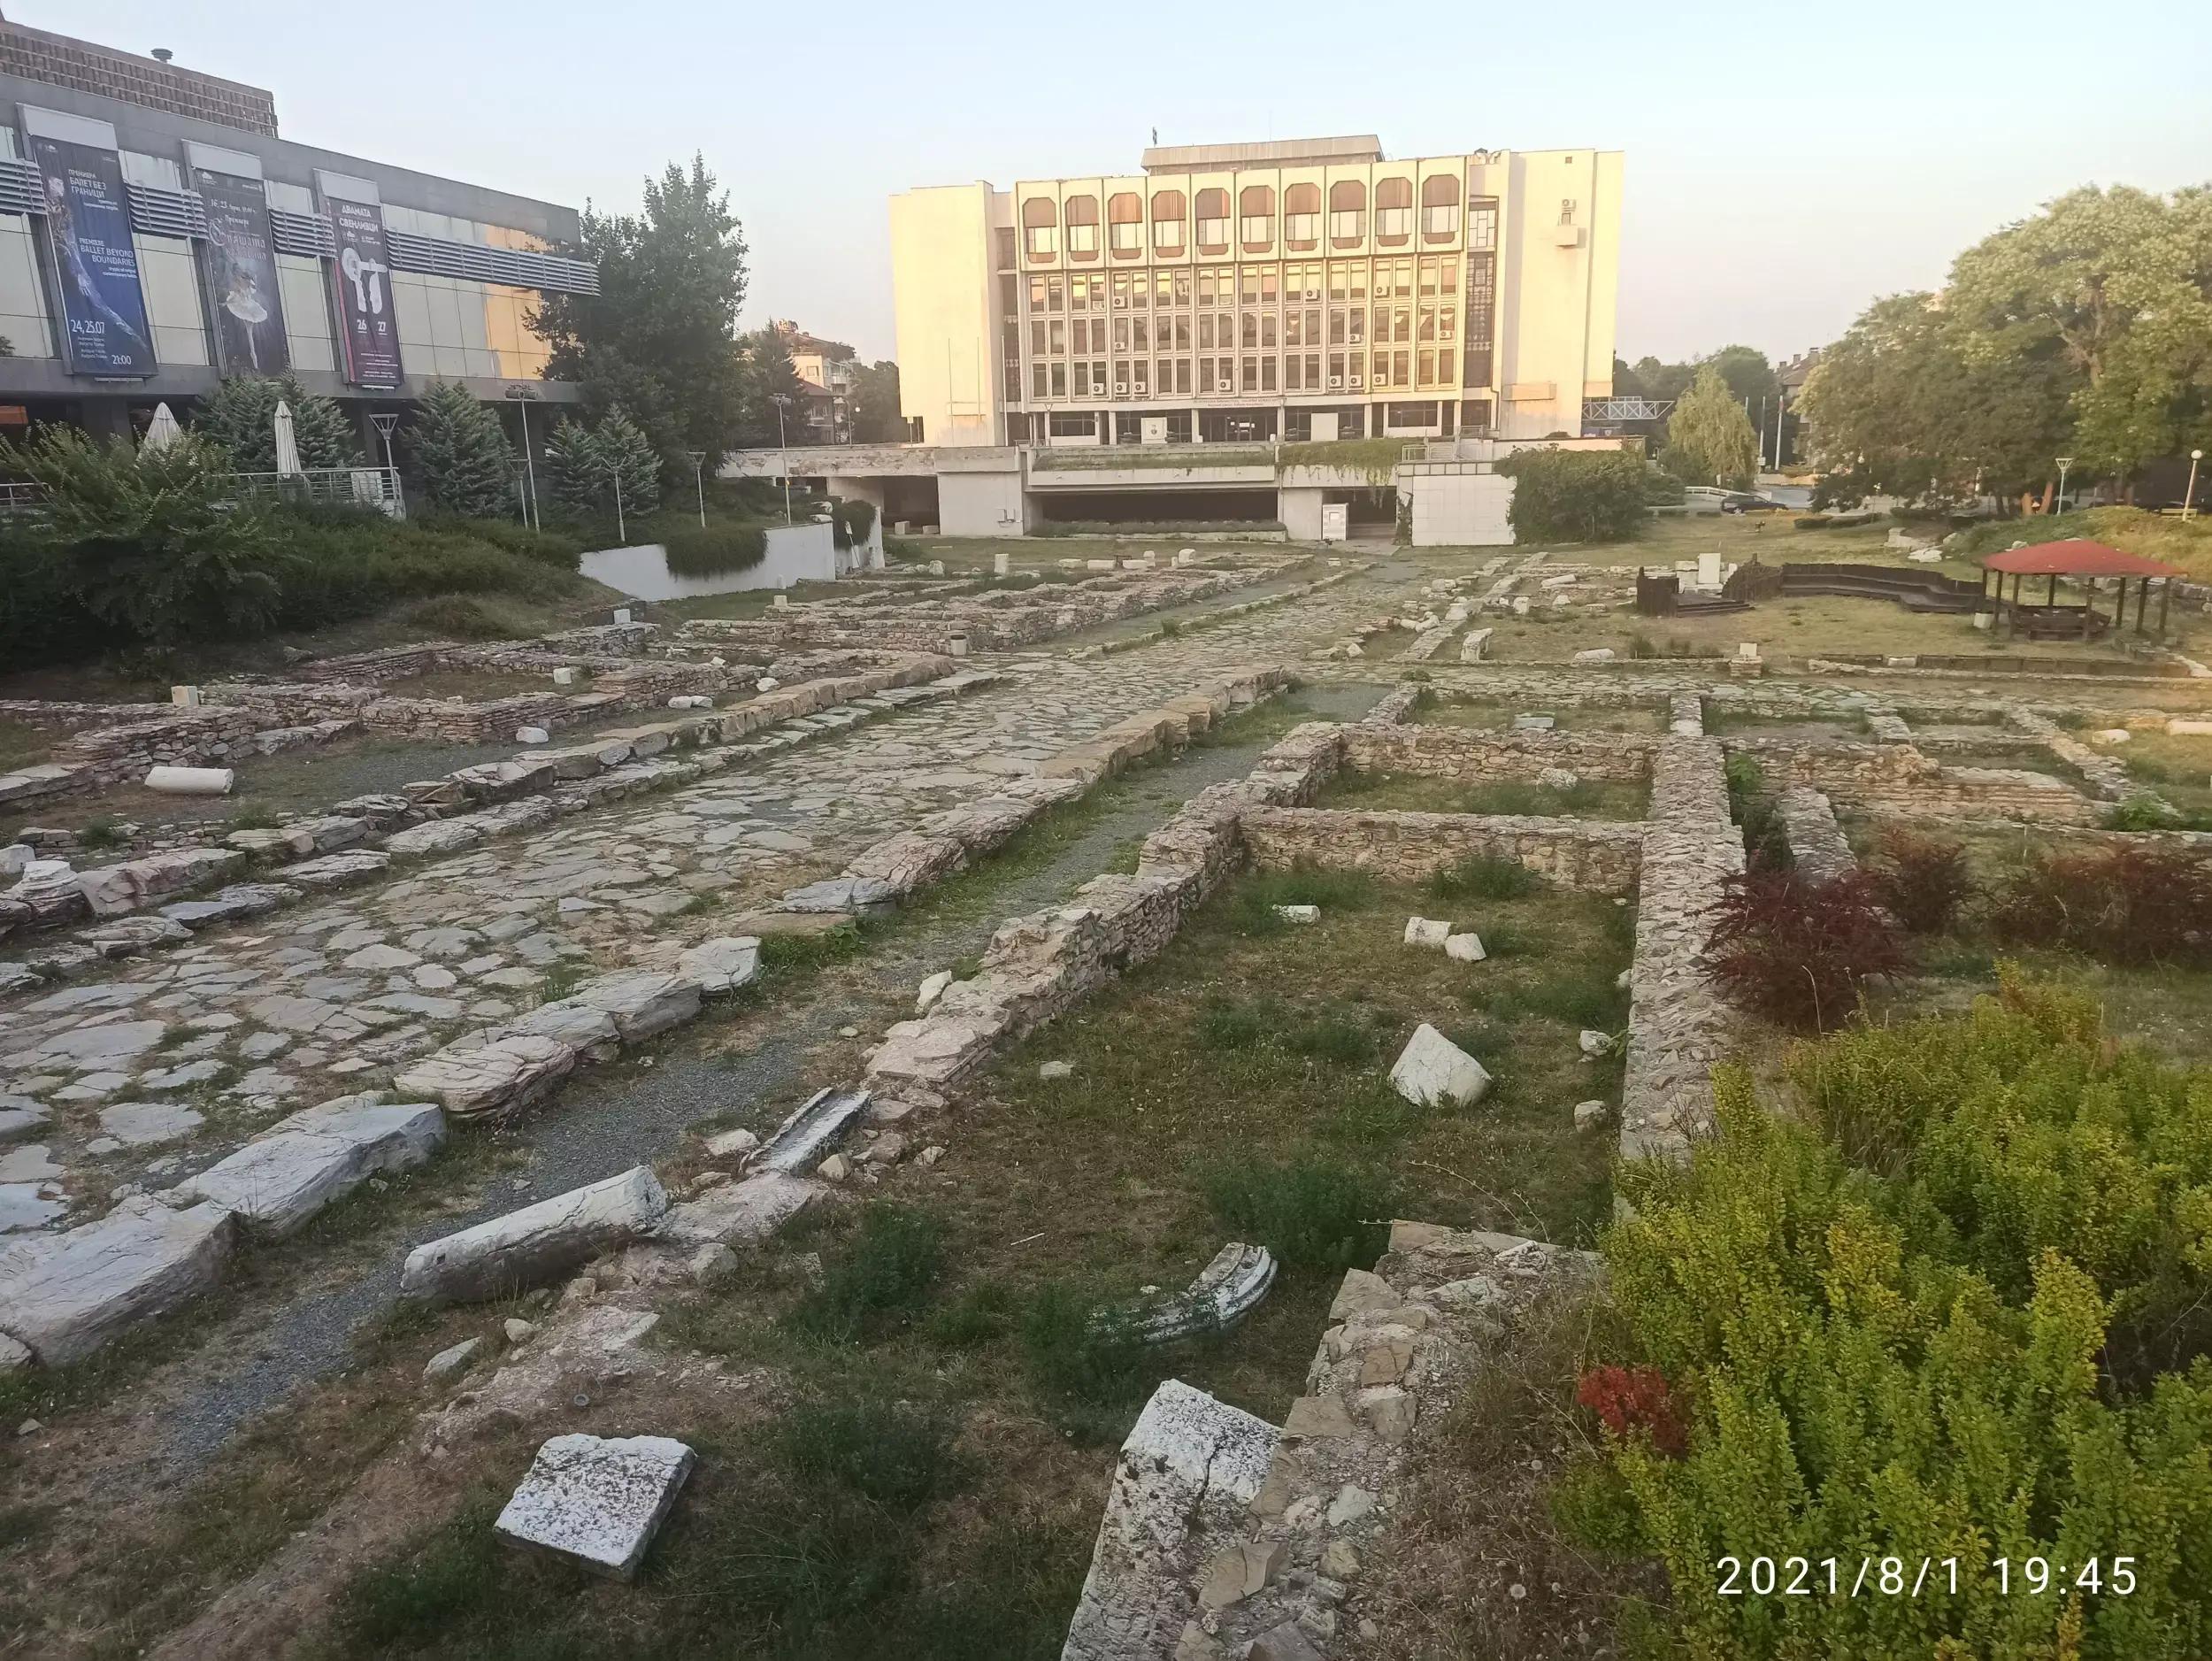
796,553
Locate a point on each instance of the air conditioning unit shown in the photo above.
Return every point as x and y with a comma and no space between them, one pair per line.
1121,302
1121,388
1313,294
1354,384
1337,380
1224,384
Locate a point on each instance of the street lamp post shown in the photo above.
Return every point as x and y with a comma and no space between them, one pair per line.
782,400
699,480
621,527
385,423
2065,463
2189,497
522,397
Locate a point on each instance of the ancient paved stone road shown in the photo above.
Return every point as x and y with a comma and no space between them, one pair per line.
154,1068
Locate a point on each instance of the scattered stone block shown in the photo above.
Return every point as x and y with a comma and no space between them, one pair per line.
533,735
1190,1467
63,1295
722,966
504,1076
450,1363
731,1144
1593,1043
1558,777
931,990
1595,655
1465,947
1588,1115
641,1002
1299,913
313,1158
537,1242
1055,1070
1427,933
597,1501
1433,1071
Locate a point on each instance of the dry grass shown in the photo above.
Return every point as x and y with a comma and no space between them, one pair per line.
1415,793
1476,1566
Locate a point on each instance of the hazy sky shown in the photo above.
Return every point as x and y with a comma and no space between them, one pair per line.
1785,164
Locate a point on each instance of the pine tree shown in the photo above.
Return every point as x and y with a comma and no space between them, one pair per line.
575,474
630,454
241,418
462,453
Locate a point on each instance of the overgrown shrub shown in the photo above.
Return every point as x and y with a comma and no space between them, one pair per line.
693,551
144,542
1310,1213
1076,1347
851,522
1922,880
2130,904
1799,952
1918,1360
1568,495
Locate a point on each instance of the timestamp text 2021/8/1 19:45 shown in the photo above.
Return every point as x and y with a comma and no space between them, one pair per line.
1919,1577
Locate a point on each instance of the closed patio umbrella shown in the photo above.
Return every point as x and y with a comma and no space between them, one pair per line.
162,431
287,447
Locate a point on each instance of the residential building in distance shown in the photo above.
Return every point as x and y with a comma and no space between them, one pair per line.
825,367
1284,290
157,234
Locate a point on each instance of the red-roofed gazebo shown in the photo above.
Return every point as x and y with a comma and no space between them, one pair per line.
2086,562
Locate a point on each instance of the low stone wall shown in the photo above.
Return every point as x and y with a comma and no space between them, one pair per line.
1041,964
1473,757
1900,778
1817,847
1589,856
1678,1025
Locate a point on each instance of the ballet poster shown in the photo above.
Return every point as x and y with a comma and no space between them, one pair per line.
94,264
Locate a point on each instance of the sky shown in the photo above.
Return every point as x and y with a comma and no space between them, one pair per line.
1784,164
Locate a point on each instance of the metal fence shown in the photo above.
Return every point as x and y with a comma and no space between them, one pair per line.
329,487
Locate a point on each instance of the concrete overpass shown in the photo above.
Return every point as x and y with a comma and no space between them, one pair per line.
1452,489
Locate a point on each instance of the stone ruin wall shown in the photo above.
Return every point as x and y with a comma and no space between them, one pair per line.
1587,856
1465,753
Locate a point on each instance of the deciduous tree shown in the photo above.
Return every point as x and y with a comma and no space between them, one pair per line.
1709,439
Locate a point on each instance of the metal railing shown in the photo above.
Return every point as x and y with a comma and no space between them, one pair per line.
329,487
22,501
1626,409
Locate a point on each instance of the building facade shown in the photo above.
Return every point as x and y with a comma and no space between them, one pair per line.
156,234
1292,290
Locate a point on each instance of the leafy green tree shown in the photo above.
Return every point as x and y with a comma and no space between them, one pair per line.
656,339
1568,495
240,416
877,418
1663,380
461,452
1747,373
150,542
1709,438
765,376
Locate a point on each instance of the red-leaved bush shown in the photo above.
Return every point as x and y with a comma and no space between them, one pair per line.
1923,880
1797,951
1630,1399
2126,904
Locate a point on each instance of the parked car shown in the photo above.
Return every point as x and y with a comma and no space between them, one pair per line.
1742,502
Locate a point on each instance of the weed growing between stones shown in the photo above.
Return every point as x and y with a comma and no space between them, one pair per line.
1484,877
1801,953
879,1281
1312,1213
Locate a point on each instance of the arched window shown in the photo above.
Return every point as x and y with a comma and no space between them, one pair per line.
1213,221
1393,211
1439,208
1167,221
1347,209
1301,218
1124,225
1256,216
1082,213
1041,227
